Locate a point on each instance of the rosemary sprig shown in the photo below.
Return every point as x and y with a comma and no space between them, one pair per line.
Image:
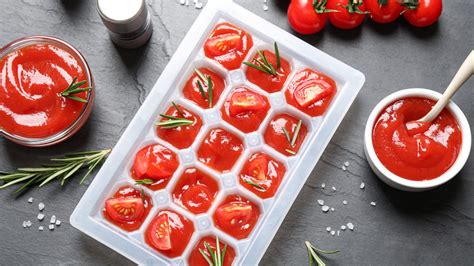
215,258
74,88
209,85
313,254
61,169
262,64
250,182
172,121
291,140
297,132
290,151
144,182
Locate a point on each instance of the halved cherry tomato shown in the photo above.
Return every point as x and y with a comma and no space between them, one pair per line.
303,17
169,233
161,232
246,101
258,167
125,209
422,13
228,45
236,216
155,162
350,14
383,13
310,92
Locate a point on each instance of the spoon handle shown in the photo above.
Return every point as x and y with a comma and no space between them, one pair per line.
464,73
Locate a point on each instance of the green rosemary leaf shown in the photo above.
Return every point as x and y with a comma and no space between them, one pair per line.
76,98
257,67
170,117
200,74
287,135
290,151
56,174
76,91
22,179
277,55
144,182
218,251
93,166
313,254
297,132
73,170
142,194
209,91
201,90
205,257
177,109
210,251
250,182
167,124
74,154
268,68
34,170
224,250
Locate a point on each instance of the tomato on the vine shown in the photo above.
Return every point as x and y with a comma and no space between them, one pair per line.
383,11
307,16
422,13
351,13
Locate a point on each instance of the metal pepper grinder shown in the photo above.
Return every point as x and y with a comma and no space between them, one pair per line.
128,21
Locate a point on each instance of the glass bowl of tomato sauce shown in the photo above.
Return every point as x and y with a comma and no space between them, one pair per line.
34,71
422,160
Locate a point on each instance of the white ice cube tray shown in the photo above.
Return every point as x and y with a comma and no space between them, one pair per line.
88,217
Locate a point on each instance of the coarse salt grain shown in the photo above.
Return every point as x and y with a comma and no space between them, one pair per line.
328,229
321,202
323,185
350,226
30,200
373,203
58,222
343,227
53,219
325,208
346,164
362,185
265,7
333,232
28,223
24,224
40,228
334,188
344,168
344,202
332,209
338,232
51,227
40,216
41,206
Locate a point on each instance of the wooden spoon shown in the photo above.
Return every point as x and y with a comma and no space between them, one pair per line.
464,73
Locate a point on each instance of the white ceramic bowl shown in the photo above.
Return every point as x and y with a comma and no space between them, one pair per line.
409,185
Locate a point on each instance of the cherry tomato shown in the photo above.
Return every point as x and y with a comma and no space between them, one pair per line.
310,92
258,167
424,14
236,216
125,209
383,13
243,101
303,18
349,16
161,232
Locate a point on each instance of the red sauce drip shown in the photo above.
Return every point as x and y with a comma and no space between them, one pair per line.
228,45
130,192
220,150
31,80
191,89
269,83
262,175
181,137
236,216
252,110
423,154
195,191
155,162
311,92
276,137
169,233
196,258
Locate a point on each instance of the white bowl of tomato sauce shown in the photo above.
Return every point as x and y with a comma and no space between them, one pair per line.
34,73
420,161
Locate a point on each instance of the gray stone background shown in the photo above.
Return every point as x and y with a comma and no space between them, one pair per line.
430,228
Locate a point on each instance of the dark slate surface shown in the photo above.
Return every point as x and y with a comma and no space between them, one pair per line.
431,228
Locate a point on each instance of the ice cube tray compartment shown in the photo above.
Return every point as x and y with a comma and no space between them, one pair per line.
142,132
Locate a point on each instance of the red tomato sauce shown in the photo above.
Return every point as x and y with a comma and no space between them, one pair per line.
169,233
245,109
421,156
195,191
183,136
197,259
220,150
191,89
31,80
311,92
275,135
125,213
236,216
262,175
155,162
228,45
269,83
